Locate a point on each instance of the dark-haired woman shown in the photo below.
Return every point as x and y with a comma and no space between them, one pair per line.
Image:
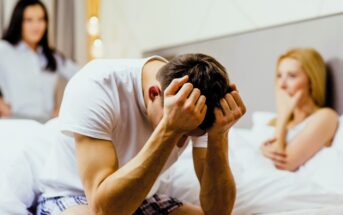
29,67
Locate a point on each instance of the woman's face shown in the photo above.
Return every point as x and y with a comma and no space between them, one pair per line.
291,77
34,24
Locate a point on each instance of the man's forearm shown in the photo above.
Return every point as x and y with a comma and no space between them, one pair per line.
218,189
124,190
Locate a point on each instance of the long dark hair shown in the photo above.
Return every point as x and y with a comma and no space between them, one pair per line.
13,34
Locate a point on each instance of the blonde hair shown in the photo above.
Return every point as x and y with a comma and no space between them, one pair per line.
314,67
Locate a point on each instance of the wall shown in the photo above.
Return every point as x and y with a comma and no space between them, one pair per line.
130,27
250,59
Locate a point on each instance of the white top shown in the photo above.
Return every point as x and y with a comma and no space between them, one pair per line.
104,101
24,82
293,131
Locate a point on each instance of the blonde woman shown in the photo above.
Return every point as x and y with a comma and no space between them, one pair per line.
303,125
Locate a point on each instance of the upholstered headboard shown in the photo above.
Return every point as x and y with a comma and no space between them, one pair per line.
250,58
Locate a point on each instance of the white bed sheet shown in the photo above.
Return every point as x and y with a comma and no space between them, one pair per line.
262,189
23,146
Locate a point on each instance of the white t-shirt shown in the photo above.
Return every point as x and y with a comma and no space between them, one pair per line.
105,101
25,83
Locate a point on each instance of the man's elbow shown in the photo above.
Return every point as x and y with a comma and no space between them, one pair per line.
96,205
101,204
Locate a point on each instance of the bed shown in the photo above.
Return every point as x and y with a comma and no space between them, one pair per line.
316,188
23,148
261,188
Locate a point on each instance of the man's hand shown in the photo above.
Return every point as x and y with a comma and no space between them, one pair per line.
231,110
184,106
5,109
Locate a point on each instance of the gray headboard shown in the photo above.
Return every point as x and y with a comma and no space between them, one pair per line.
250,58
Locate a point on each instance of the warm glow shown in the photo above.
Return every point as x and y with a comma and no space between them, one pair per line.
95,44
93,26
97,48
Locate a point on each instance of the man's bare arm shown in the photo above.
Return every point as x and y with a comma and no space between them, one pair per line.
110,190
218,191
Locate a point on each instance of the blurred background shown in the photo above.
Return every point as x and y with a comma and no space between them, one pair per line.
127,28
233,31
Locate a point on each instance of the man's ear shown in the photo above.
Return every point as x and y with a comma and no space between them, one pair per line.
154,91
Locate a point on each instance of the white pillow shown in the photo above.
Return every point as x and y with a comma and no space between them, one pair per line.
261,131
262,117
338,139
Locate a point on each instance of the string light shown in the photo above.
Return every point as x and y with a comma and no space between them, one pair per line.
97,48
93,26
95,44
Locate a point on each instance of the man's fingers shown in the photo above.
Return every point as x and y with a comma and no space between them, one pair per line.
231,102
234,109
239,101
204,110
203,113
218,113
175,85
233,87
185,91
194,96
225,107
200,103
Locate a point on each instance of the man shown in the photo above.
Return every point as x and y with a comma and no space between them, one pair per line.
129,119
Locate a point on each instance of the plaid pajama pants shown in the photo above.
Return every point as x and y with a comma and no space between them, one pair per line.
155,205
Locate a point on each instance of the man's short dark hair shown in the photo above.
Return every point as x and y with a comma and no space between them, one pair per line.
205,73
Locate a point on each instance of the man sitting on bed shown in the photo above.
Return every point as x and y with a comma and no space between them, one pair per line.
130,119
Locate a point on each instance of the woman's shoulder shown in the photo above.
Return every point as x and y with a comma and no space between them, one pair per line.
325,114
326,111
6,53
4,45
